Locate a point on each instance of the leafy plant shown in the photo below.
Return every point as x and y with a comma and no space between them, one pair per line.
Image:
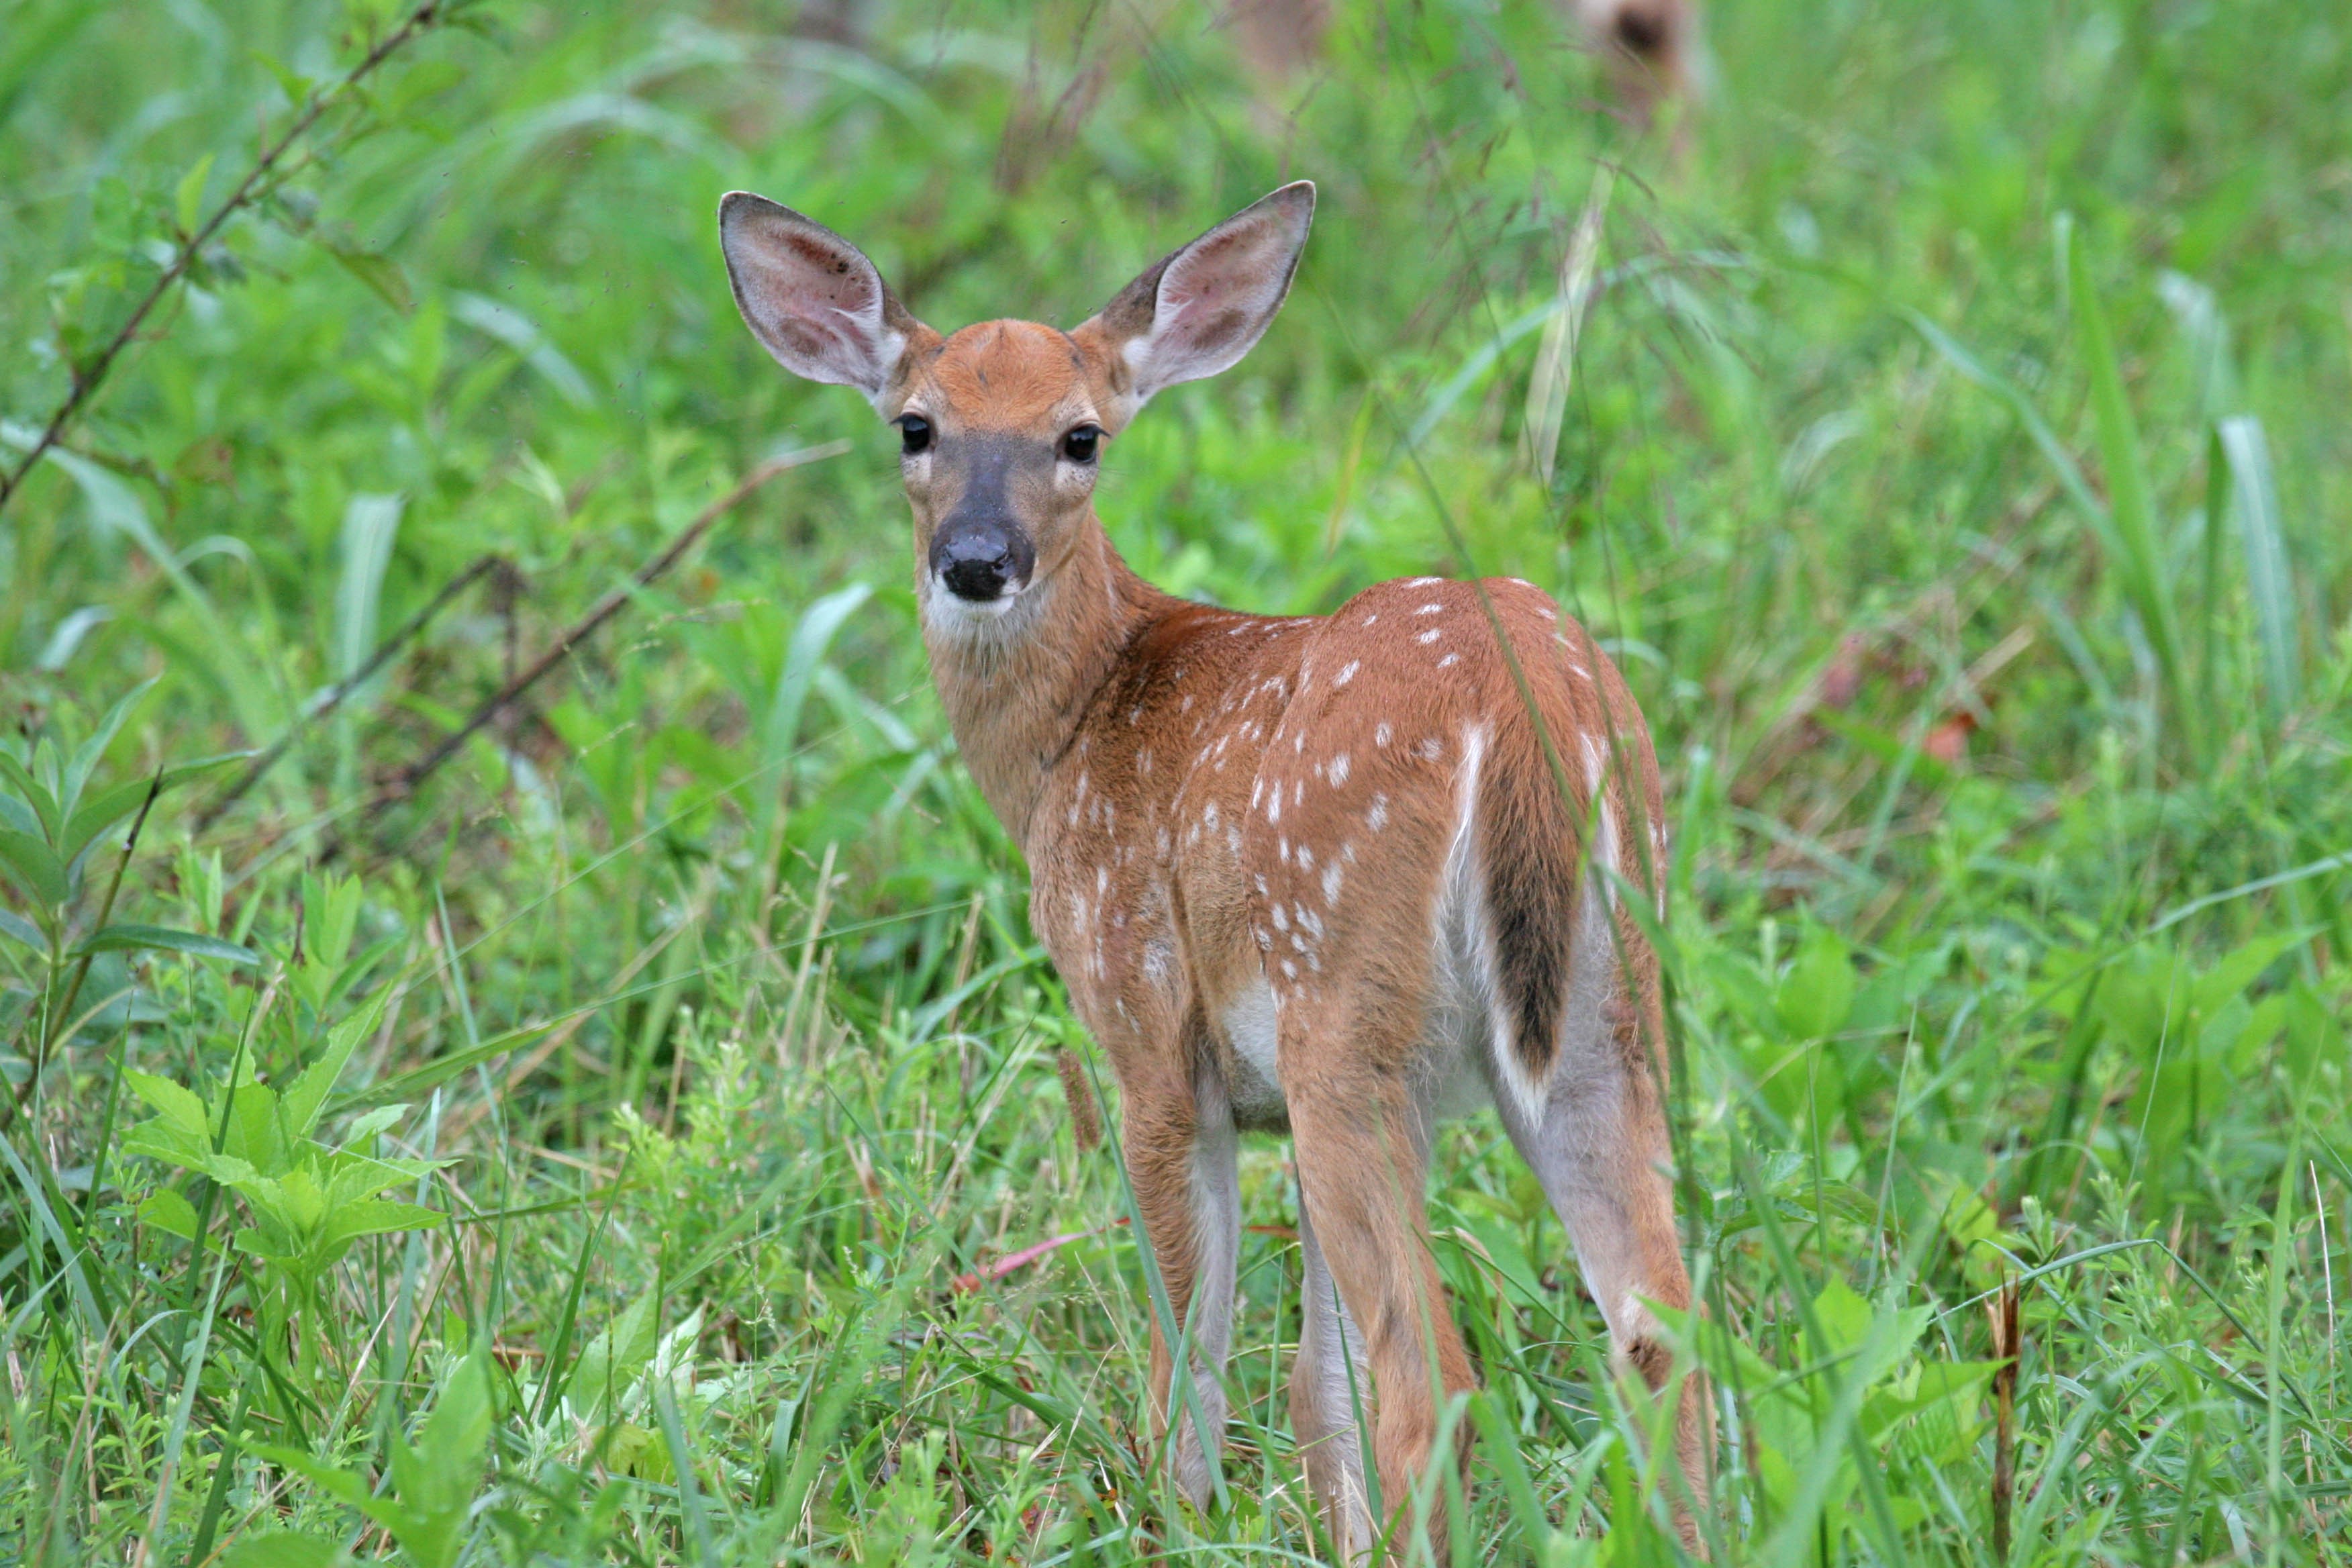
435,1479
307,1201
53,821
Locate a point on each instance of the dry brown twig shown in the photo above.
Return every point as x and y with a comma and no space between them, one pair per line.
604,609
335,695
257,183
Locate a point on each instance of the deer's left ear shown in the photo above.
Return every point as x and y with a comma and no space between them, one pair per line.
1200,309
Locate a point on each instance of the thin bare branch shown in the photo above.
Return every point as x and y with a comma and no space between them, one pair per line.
257,183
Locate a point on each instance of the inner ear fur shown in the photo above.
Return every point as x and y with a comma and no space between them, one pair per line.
812,298
1199,308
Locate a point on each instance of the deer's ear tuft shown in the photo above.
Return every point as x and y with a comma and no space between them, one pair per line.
810,296
1200,309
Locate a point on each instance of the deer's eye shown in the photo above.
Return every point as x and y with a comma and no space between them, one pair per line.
1079,444
914,434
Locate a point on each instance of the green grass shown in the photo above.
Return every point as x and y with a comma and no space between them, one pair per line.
1955,456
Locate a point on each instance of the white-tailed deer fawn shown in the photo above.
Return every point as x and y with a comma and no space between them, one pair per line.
1651,46
1339,875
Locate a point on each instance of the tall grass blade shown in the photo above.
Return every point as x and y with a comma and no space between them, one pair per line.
2270,582
2133,513
779,732
1548,387
371,522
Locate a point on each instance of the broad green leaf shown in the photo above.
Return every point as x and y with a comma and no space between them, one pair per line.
167,1211
355,1176
1817,993
48,816
375,1217
435,1481
330,908
188,198
298,1200
100,812
2241,968
284,1549
608,1367
16,928
363,1128
1844,1317
177,1104
343,1486
16,815
86,755
127,938
297,87
35,866
158,1140
94,816
308,1091
254,1131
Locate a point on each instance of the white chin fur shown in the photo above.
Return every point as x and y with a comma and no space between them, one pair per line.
945,611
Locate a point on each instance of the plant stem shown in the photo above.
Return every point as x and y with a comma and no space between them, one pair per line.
215,808
46,1040
87,378
405,784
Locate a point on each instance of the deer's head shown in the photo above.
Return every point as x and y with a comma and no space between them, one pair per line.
1004,424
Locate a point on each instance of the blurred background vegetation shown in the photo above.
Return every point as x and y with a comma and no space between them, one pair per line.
607,1146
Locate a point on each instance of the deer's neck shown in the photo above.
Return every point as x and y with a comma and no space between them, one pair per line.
1016,686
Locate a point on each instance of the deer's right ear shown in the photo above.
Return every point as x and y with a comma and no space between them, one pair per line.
812,298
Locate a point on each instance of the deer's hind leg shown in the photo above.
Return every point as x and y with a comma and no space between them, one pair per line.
1600,1148
1361,1138
1330,1390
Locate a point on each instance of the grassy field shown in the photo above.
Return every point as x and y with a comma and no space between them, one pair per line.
615,1142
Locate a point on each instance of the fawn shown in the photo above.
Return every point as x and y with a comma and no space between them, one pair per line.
1335,876
1651,46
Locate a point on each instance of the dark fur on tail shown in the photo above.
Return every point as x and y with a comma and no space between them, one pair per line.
1529,836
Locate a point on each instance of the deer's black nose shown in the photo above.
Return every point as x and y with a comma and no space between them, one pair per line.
979,559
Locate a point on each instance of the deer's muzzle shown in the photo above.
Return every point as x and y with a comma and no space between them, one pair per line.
982,559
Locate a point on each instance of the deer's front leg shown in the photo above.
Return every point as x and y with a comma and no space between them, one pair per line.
1181,1155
